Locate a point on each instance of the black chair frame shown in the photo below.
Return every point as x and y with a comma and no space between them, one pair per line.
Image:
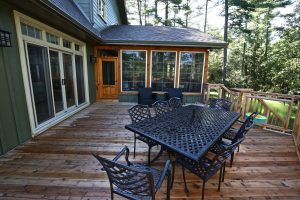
132,180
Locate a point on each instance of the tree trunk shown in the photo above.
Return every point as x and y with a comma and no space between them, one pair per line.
167,10
225,39
155,9
267,34
205,20
140,11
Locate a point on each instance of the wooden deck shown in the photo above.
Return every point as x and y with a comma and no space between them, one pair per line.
58,163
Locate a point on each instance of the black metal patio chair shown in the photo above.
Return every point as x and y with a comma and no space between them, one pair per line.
175,103
174,92
146,96
222,104
233,135
205,168
133,180
160,107
139,113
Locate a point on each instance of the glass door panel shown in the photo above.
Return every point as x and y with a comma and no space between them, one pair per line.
80,79
68,80
56,81
108,72
40,80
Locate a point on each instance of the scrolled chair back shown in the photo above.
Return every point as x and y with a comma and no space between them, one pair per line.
175,103
245,127
161,107
222,104
139,113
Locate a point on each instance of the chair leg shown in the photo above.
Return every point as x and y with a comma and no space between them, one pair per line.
220,178
169,185
149,152
173,174
203,188
231,159
134,146
185,185
223,172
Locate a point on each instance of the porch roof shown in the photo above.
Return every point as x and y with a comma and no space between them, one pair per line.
159,35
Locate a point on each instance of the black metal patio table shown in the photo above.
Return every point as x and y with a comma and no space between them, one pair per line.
189,131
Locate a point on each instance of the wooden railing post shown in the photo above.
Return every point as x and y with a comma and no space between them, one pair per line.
296,128
288,116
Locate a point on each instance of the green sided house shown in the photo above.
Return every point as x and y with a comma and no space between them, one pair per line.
59,56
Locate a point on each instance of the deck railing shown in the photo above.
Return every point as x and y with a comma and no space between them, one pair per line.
282,111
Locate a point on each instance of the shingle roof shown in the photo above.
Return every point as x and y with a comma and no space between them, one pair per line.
70,10
154,35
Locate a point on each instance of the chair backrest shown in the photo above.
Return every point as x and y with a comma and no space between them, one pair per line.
174,92
245,127
130,180
145,93
175,102
161,107
139,113
220,104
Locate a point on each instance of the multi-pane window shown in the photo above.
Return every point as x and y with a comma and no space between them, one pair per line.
191,71
101,8
163,70
133,70
52,38
31,31
77,47
66,43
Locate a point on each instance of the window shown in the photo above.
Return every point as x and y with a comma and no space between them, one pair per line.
163,70
66,43
77,47
52,38
101,8
191,71
133,70
31,31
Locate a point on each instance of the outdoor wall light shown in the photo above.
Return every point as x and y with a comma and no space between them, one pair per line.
93,59
5,39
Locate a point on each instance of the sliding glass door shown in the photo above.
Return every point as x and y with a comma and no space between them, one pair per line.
40,82
54,81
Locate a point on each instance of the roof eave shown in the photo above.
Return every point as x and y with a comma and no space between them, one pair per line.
167,43
77,24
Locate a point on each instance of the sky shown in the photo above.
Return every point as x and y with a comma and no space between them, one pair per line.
215,20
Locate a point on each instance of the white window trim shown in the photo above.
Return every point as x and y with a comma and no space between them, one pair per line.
19,17
121,59
204,63
103,4
175,73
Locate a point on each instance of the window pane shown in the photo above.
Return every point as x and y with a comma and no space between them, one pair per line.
66,43
69,81
163,70
108,72
80,79
52,38
40,79
133,70
191,71
56,81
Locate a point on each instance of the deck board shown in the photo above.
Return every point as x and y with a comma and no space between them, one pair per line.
58,164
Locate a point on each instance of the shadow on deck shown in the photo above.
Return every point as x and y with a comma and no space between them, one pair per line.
58,163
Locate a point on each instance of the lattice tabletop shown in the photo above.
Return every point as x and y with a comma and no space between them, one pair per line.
189,131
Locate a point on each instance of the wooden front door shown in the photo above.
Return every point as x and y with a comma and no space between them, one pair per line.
107,78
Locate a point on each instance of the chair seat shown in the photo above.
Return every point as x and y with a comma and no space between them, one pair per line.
220,146
138,166
151,143
201,167
230,134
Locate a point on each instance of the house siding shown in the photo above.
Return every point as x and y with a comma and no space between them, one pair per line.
14,119
112,15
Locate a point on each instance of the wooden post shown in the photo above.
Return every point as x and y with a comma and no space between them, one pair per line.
240,100
296,129
287,120
208,93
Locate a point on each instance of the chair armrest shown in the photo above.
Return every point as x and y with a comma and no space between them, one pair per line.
126,151
165,171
